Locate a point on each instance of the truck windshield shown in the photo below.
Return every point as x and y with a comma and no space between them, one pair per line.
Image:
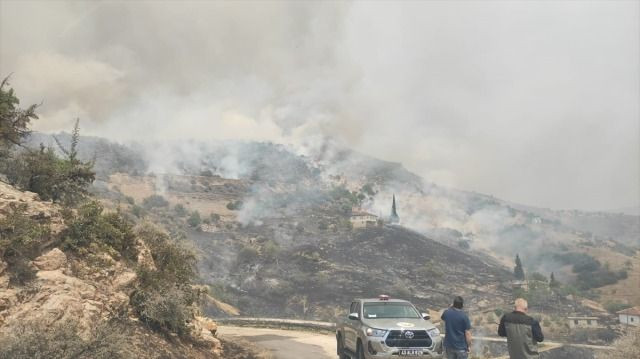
389,310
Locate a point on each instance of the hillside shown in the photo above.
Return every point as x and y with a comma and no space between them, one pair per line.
247,194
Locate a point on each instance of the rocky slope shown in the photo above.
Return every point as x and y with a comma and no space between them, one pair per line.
82,293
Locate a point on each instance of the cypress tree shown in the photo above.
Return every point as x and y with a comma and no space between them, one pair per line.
518,271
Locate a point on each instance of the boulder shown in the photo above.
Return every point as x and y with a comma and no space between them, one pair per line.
203,332
144,257
207,324
124,280
52,260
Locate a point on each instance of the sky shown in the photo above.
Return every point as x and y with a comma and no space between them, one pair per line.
535,102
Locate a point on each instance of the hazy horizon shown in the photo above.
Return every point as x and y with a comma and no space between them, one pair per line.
532,102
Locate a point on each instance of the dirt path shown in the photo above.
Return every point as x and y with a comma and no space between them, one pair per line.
285,344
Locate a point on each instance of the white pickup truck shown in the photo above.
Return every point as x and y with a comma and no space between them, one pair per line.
387,328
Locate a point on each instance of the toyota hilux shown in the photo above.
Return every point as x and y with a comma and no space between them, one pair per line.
386,328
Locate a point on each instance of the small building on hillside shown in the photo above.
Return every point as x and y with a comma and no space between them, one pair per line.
583,322
520,284
630,316
361,219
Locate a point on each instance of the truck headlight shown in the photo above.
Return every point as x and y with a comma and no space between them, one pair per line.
371,332
433,332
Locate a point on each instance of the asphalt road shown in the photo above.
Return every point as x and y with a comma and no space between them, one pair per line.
285,344
290,344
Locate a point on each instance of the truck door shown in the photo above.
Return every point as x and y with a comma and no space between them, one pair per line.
352,327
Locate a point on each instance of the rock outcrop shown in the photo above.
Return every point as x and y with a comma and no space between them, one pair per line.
85,290
52,260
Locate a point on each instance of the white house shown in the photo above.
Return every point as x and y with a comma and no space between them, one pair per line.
630,316
583,322
360,219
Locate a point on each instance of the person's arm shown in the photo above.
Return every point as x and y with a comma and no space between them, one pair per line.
467,336
467,332
502,331
537,332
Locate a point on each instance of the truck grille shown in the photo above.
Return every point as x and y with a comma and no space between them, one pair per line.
399,338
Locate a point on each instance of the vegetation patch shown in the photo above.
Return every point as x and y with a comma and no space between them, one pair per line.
92,230
164,298
20,240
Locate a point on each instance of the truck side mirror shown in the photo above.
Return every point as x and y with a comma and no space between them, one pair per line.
354,316
426,316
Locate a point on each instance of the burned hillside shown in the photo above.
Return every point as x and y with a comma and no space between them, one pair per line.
268,219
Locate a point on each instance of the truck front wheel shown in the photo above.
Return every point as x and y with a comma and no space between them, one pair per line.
340,346
360,351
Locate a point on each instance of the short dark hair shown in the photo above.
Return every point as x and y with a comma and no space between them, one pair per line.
458,302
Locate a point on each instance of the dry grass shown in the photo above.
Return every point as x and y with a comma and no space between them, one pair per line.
628,290
626,347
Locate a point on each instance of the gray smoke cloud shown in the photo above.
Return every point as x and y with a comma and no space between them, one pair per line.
534,102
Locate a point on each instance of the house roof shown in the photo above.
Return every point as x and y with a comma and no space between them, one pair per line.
583,318
361,214
631,311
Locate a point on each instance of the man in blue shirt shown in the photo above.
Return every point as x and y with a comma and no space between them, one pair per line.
457,337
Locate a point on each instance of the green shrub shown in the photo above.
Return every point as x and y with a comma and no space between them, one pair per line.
90,228
194,219
20,240
599,278
154,201
173,261
168,309
164,298
235,205
20,235
60,180
270,250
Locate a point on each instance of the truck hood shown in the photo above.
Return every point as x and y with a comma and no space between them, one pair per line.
399,324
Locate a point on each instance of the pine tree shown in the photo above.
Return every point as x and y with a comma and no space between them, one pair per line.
14,121
518,271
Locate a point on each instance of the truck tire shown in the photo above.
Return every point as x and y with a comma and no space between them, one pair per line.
340,348
360,351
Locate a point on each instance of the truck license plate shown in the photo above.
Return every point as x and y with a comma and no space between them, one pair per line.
410,352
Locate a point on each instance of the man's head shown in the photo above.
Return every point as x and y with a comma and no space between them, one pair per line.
458,302
521,305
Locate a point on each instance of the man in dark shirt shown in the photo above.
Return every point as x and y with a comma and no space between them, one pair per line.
457,337
522,332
